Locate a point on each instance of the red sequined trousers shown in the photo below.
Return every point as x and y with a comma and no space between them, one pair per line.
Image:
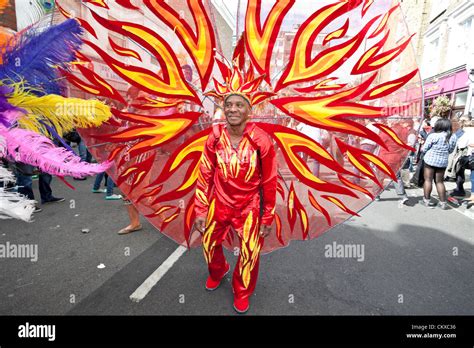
246,224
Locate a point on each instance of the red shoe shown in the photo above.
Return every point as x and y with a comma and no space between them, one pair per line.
241,305
212,284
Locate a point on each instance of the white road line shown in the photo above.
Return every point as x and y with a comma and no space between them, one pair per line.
155,277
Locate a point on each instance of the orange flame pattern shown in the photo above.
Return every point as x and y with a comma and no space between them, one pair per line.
383,23
337,34
99,3
394,136
366,6
261,40
156,131
333,112
199,45
124,51
81,21
302,66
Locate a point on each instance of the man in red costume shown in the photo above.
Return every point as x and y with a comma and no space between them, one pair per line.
237,171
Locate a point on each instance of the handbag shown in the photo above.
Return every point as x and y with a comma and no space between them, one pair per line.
470,162
466,162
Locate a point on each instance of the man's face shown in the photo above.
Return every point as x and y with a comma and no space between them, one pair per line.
236,110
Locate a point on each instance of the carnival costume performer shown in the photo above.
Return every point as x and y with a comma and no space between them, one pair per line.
330,74
238,175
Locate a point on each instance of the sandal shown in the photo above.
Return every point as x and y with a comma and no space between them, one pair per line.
127,230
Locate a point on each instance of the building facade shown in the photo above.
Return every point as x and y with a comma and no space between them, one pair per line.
445,50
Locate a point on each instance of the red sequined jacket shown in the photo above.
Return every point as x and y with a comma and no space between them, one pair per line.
234,176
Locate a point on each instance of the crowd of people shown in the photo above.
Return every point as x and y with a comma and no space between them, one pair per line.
444,150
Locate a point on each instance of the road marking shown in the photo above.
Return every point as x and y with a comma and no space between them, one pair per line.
155,277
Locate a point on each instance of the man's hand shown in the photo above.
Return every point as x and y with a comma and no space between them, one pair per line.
265,230
200,224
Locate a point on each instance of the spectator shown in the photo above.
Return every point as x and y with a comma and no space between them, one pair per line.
317,135
411,141
134,217
133,213
367,144
465,146
436,149
392,155
109,192
454,163
83,151
24,181
74,137
425,130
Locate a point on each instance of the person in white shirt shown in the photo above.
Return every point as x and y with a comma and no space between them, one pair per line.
466,141
315,134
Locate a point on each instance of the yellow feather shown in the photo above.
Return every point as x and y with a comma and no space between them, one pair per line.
63,113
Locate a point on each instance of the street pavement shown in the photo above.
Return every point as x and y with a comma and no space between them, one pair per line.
416,261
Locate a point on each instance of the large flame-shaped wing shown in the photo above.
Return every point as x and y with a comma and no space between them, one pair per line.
332,82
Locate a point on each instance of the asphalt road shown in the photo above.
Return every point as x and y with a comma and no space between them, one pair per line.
417,261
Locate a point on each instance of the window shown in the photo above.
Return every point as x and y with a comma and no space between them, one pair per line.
466,25
460,40
466,32
431,56
460,99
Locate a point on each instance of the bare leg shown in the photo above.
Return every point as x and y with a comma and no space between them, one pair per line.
440,184
134,220
428,183
133,215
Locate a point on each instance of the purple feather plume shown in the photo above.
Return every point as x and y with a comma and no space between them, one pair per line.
35,149
8,112
35,54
